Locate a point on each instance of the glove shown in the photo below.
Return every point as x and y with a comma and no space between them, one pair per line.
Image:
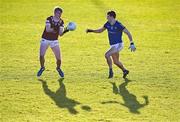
89,30
132,47
65,30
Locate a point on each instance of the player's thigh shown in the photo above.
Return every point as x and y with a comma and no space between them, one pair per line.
43,47
110,52
115,57
57,52
118,48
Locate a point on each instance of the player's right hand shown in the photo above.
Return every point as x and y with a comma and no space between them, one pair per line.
87,30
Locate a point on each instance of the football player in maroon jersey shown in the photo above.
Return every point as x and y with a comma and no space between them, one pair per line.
54,28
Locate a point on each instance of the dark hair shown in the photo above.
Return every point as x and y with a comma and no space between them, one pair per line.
58,9
111,13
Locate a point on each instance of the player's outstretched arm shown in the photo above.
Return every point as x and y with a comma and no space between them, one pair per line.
100,30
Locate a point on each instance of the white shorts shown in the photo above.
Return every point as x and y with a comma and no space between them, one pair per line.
51,43
117,47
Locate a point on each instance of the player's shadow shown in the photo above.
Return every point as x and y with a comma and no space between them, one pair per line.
60,97
130,100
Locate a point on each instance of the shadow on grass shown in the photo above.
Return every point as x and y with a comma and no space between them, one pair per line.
60,97
130,100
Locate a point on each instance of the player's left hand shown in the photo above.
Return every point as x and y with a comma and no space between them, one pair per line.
132,47
66,30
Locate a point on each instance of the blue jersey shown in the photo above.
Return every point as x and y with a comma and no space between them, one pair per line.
114,32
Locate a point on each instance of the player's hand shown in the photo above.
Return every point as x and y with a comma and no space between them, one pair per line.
66,30
87,30
132,47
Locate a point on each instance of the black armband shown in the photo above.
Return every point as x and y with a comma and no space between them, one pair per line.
90,30
132,43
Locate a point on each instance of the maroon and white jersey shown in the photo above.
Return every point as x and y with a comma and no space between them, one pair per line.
55,26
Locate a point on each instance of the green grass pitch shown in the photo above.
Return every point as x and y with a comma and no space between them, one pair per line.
150,94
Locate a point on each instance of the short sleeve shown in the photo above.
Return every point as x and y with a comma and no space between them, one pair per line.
105,25
61,23
121,27
48,21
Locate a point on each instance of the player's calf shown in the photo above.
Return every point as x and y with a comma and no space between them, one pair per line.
58,62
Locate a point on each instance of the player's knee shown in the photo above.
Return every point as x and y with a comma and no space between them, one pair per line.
115,62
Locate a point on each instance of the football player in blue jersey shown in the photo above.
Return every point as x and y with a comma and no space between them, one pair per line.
115,30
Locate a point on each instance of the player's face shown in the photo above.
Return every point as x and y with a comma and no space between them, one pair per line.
57,14
109,18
